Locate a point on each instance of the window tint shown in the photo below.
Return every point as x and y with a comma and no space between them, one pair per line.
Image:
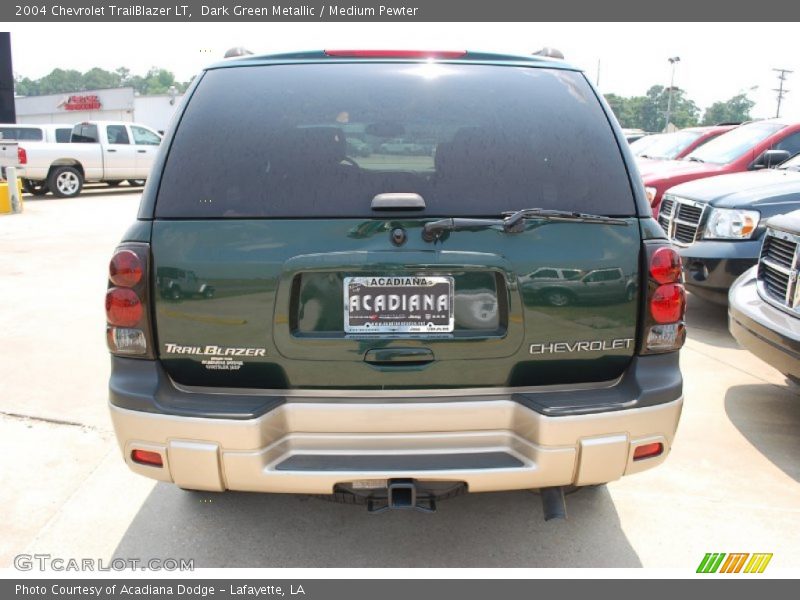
30,134
791,143
322,140
730,146
606,275
545,274
144,136
117,134
668,145
85,134
63,135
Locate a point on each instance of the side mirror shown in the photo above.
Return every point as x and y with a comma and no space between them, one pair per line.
770,158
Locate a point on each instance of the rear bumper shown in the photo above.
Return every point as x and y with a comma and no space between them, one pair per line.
773,335
496,441
310,447
711,267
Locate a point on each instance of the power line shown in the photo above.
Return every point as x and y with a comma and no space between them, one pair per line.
781,92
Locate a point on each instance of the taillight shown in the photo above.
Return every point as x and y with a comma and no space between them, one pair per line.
663,327
665,265
123,307
22,156
668,303
125,268
128,331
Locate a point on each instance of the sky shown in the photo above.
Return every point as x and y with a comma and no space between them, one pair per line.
717,60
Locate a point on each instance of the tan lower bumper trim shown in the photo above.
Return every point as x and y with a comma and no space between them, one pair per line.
216,454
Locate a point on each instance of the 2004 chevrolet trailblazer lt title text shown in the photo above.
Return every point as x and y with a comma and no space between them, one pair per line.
410,290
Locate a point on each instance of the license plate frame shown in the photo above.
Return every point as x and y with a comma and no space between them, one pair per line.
398,312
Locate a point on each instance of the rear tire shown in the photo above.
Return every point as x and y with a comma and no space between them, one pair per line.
65,182
175,293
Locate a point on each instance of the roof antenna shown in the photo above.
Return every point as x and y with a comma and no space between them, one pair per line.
237,51
549,53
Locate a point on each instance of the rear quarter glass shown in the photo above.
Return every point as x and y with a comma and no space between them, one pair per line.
321,140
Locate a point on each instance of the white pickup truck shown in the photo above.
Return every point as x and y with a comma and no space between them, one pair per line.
107,151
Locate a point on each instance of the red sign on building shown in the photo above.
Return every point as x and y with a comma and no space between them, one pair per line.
89,102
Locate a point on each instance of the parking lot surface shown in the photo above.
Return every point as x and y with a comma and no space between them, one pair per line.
731,483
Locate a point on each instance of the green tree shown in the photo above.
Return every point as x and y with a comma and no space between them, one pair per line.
736,110
648,112
58,81
98,79
23,86
683,112
620,107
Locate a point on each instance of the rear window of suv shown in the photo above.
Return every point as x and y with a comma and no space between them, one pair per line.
321,140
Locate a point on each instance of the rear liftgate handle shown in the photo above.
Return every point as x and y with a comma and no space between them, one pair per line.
398,356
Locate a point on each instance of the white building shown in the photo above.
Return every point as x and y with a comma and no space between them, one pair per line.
118,104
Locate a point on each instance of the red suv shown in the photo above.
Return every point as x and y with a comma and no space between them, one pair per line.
751,146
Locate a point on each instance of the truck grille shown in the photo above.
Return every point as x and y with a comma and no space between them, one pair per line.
777,267
665,214
680,219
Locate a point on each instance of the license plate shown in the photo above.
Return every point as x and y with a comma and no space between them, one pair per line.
398,304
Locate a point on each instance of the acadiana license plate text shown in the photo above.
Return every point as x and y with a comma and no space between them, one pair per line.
398,304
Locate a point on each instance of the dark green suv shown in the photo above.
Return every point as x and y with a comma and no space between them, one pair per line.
369,223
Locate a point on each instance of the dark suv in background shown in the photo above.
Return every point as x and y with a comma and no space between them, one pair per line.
718,223
369,335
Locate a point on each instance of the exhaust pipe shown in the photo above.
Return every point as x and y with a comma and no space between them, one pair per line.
553,503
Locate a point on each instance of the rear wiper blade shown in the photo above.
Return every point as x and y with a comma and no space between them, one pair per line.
512,221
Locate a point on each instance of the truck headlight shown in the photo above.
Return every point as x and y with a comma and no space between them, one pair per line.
650,192
731,224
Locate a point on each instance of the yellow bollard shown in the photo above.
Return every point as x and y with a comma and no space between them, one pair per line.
5,197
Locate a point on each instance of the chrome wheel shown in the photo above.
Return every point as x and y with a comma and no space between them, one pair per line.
68,183
558,298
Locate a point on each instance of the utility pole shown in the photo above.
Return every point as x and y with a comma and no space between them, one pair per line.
673,61
781,92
